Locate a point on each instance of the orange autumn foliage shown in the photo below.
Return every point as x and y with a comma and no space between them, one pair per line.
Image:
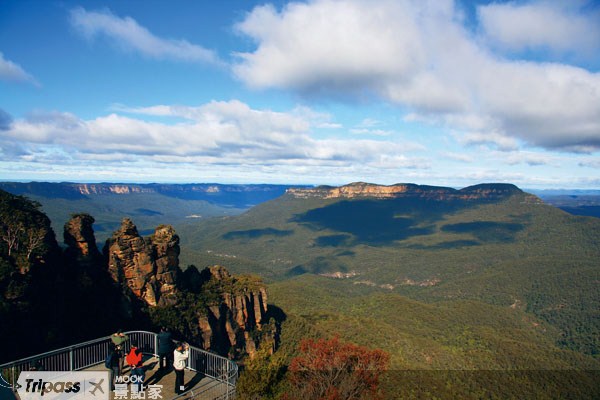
334,370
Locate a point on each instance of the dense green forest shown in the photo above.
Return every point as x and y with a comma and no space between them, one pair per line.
515,253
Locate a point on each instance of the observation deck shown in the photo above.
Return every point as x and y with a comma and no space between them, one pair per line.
207,376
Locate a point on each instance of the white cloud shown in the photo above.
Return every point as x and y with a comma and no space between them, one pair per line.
529,158
562,27
369,123
12,72
419,55
127,33
462,157
308,45
216,133
497,140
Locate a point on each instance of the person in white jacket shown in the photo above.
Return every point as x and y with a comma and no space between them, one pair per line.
180,357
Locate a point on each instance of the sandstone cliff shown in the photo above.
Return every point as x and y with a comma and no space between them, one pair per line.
145,267
215,309
240,312
362,190
79,237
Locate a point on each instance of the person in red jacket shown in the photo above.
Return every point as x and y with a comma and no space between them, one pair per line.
135,360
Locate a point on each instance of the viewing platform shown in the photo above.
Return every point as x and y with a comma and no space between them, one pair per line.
207,376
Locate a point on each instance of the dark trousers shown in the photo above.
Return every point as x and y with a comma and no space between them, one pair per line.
139,372
164,361
114,371
179,381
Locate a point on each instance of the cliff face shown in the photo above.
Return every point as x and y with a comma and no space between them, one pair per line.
230,322
362,190
147,268
81,242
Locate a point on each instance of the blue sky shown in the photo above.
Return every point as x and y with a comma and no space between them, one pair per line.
321,92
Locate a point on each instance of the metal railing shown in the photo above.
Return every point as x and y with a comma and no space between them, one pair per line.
94,352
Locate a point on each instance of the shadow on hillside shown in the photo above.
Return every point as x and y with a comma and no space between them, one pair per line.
256,233
376,222
382,222
333,240
372,222
321,265
487,231
445,245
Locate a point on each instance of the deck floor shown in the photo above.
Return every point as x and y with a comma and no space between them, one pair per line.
195,383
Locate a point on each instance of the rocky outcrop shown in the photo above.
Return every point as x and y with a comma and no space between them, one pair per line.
369,190
165,245
147,268
229,310
234,320
82,249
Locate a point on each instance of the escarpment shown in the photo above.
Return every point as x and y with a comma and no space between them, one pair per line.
492,191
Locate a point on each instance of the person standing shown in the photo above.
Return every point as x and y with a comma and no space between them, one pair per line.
180,357
113,363
165,348
119,338
135,361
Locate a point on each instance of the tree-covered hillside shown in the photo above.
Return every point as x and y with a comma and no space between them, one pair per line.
513,252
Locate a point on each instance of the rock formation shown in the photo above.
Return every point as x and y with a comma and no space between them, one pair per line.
81,242
240,313
148,267
229,310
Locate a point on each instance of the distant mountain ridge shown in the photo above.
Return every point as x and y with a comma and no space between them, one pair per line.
149,204
235,195
363,189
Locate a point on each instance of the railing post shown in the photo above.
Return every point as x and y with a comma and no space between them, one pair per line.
156,345
71,364
227,380
14,379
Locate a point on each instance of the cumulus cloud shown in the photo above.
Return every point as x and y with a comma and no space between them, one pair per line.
127,33
419,56
12,72
216,133
562,27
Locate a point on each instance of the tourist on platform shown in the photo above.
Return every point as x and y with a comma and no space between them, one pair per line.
135,360
180,357
165,348
118,339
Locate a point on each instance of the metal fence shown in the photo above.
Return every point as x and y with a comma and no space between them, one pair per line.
84,355
220,369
